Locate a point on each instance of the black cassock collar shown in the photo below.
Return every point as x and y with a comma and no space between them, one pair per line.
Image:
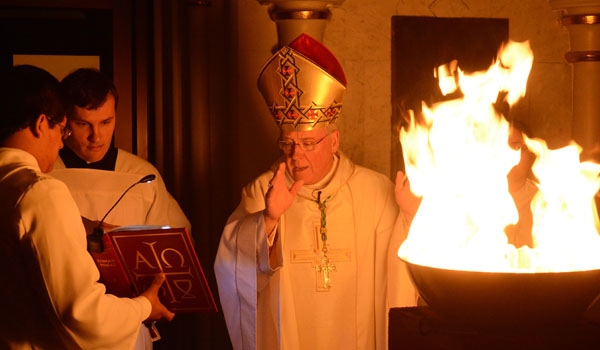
71,160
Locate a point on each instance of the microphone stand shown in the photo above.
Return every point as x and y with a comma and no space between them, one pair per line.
94,240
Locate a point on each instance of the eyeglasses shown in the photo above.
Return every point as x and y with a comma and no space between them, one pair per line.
65,132
288,145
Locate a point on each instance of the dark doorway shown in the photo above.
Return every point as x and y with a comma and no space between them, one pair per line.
52,31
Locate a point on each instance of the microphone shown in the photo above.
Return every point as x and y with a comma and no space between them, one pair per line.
94,240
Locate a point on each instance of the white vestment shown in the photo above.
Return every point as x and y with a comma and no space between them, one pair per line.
277,300
39,214
96,191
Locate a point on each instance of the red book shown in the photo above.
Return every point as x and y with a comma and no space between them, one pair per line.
134,254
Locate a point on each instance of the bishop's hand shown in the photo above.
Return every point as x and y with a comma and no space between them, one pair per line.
278,197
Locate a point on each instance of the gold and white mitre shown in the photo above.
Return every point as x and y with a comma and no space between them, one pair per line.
303,85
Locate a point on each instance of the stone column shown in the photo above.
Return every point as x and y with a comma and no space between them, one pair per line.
582,20
294,17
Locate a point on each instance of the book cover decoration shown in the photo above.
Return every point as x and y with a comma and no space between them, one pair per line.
134,254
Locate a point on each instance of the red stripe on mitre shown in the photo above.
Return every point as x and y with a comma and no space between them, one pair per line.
320,55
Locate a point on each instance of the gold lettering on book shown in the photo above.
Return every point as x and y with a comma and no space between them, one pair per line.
185,286
139,258
179,283
164,253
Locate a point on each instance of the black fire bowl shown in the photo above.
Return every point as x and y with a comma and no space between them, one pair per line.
509,301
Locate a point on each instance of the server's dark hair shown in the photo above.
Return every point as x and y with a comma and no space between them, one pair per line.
86,88
26,92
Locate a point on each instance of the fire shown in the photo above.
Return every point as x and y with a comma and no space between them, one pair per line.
457,157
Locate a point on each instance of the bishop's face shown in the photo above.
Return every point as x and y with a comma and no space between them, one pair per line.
92,130
309,155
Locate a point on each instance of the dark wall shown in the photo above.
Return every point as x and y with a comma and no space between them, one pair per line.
52,31
153,49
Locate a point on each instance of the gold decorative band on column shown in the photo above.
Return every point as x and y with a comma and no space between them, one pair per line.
299,14
580,19
583,56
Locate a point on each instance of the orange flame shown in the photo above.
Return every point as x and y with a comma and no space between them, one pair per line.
458,157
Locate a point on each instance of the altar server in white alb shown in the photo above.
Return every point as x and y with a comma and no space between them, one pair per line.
97,173
308,260
50,297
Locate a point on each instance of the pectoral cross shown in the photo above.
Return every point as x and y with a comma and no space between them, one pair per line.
325,267
322,262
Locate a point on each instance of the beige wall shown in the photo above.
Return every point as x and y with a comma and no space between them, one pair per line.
359,35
